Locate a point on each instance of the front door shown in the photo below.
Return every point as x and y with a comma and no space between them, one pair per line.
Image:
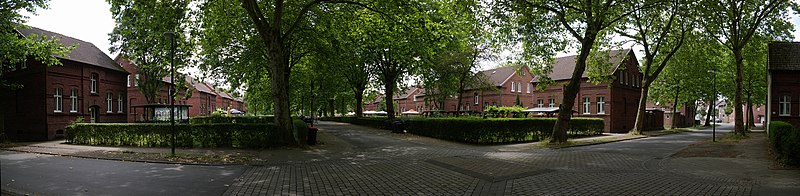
92,114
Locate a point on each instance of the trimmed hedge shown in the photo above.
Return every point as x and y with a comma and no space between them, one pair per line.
240,135
785,140
213,119
484,131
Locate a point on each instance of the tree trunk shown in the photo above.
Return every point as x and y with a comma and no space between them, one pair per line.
737,101
389,84
675,108
708,114
331,108
279,80
359,93
460,97
749,116
572,89
641,111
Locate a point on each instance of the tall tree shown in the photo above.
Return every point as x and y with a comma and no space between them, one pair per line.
734,23
15,49
139,36
541,23
660,30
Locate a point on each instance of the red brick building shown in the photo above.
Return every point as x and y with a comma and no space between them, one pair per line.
408,100
89,84
135,96
685,115
783,83
509,83
615,102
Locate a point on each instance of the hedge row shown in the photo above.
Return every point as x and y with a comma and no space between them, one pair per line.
213,119
484,131
251,135
785,141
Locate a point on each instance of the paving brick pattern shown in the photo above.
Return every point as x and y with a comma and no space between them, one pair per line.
430,167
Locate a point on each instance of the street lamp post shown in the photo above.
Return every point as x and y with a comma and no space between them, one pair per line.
171,37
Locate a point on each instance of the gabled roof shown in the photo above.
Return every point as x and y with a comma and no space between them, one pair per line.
405,94
199,86
85,52
564,66
498,76
783,56
224,94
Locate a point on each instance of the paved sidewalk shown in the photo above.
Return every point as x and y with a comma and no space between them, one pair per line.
356,160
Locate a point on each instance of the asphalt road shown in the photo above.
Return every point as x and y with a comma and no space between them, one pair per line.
37,174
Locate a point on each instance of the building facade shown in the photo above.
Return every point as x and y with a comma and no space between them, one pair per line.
88,84
783,85
615,101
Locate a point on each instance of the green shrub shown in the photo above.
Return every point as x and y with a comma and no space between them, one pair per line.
785,140
240,135
484,131
212,119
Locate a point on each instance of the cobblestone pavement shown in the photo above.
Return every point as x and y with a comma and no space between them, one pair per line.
381,163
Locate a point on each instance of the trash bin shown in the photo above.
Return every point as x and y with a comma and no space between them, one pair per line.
397,126
312,136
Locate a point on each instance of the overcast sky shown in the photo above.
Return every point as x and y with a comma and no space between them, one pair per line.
90,20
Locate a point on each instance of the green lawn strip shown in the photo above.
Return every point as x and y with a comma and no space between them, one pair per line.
211,159
665,132
584,142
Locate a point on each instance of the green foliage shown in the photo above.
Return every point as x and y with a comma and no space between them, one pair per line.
15,49
785,140
201,133
504,111
139,36
483,131
215,119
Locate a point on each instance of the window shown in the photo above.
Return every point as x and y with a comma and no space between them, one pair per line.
620,77
485,105
494,104
586,105
129,80
476,99
625,78
93,88
529,88
601,105
109,102
539,103
136,81
73,100
119,103
552,103
415,98
785,105
519,87
58,102
512,87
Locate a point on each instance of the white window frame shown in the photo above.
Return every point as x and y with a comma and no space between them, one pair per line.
136,80
109,102
93,87
512,87
601,105
477,99
119,103
73,100
129,80
551,103
587,102
539,103
529,88
785,104
58,100
519,87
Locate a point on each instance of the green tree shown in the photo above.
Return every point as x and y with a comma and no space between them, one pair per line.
139,36
542,24
660,30
15,49
734,23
